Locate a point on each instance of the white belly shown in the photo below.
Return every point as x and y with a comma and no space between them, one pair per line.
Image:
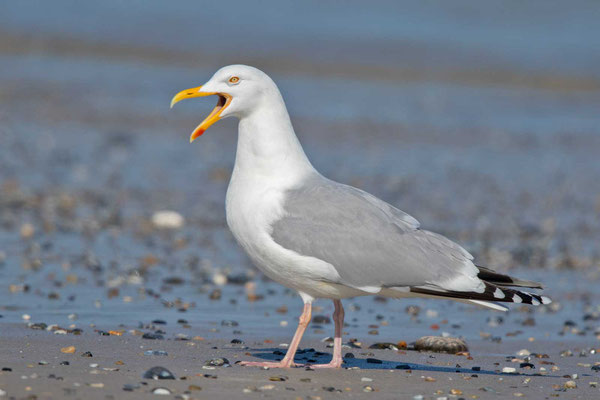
252,206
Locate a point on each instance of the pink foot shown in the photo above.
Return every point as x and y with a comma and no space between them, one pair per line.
269,364
330,365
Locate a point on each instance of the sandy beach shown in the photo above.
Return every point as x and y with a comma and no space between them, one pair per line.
113,240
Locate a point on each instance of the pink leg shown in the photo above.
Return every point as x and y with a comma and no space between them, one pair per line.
288,360
338,318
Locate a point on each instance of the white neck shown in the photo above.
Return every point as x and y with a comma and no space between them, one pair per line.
267,145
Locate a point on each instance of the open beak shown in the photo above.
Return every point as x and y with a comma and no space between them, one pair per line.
214,116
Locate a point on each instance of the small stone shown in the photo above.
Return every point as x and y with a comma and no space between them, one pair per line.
99,385
384,346
43,362
158,373
26,317
226,322
368,389
526,365
167,219
321,319
2,393
155,353
456,392
523,353
570,385
64,363
152,336
365,379
130,387
27,231
441,344
68,350
215,294
430,379
87,354
509,370
161,391
195,388
278,378
217,362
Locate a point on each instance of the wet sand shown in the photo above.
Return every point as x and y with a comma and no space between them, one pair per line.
118,362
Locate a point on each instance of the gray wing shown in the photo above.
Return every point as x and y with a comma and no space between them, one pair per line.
370,243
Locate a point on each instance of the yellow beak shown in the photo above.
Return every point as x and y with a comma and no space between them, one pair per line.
214,116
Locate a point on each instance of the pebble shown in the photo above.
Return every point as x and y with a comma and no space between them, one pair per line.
130,387
368,389
152,336
87,354
440,344
523,353
167,219
68,350
526,365
158,373
509,370
570,385
27,231
155,353
161,391
2,393
278,378
217,362
227,322
384,346
365,379
321,319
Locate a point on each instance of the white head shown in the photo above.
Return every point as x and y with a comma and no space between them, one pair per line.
241,90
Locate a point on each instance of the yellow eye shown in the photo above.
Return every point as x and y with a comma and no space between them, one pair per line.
234,79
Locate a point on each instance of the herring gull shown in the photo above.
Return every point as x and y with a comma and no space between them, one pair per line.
325,239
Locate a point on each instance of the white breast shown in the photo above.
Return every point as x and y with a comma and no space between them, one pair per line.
252,205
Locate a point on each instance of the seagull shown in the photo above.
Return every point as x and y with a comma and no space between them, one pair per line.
325,239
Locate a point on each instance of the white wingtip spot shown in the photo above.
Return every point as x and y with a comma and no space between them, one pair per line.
517,299
535,302
499,294
546,300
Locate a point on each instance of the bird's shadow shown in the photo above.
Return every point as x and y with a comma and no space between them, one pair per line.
310,356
